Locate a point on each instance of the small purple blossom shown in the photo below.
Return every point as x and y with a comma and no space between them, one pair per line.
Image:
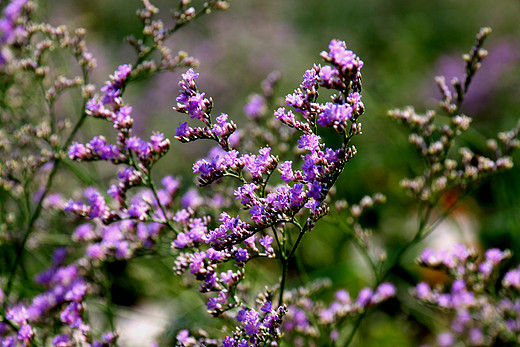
335,116
309,142
241,255
256,106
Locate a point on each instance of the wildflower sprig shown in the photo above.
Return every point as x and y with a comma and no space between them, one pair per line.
299,203
435,142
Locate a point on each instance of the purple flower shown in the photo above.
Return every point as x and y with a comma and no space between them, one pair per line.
335,116
228,342
245,193
286,171
423,291
98,207
183,335
65,275
309,169
309,79
445,340
258,164
182,216
327,73
309,142
170,184
189,77
95,251
157,141
295,100
354,99
250,242
84,232
196,106
183,130
430,257
340,56
476,337
267,307
197,262
18,314
287,118
241,255
25,332
383,292
138,210
77,151
255,107
112,88
342,296
8,341
266,241
257,213
191,199
72,314
226,277
241,316
122,118
314,190
512,279
495,255
77,291
251,323
364,297
62,341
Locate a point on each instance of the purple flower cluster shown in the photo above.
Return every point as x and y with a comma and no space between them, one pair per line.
135,226
192,102
64,297
256,107
256,329
119,240
343,75
303,310
110,107
9,27
203,264
485,309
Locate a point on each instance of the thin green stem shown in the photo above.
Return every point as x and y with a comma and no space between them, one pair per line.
357,323
151,184
109,309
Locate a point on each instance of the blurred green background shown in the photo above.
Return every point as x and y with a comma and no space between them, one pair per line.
404,44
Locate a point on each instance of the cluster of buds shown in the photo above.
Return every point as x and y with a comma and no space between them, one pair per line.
304,189
434,140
